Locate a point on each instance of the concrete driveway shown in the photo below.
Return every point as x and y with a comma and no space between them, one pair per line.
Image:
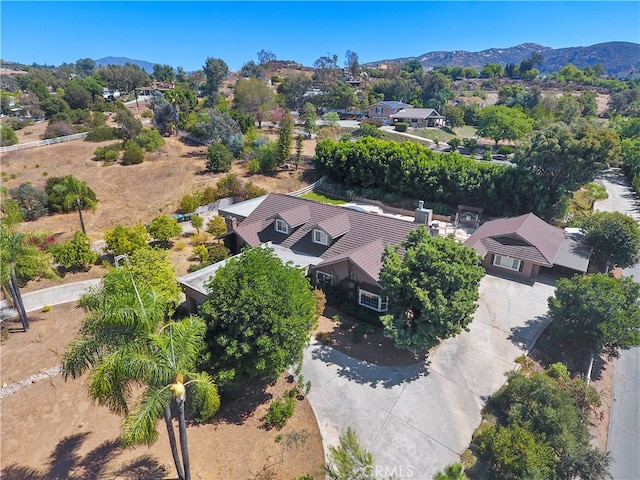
418,419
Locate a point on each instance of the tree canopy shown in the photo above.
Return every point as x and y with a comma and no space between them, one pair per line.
503,123
432,289
255,97
163,227
260,313
598,313
613,237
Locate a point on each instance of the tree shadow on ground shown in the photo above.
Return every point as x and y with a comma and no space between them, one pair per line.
239,403
525,336
363,372
65,463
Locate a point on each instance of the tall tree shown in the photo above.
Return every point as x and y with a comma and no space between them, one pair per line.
352,63
163,228
326,70
613,237
259,313
125,343
292,89
255,97
266,56
285,139
215,70
597,313
85,67
432,289
503,123
164,73
129,124
68,193
310,117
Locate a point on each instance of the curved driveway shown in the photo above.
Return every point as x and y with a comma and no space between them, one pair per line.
418,419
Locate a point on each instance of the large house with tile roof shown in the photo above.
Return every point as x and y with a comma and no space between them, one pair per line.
335,246
522,245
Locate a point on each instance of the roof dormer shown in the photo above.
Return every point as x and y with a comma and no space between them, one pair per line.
292,218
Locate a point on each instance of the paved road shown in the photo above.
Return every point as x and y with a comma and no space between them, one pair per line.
418,419
624,420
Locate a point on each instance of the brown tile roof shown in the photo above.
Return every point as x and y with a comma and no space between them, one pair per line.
363,243
526,237
295,216
335,226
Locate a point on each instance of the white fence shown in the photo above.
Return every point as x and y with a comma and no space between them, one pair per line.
41,143
304,190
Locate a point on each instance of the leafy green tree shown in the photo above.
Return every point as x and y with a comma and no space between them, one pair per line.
21,258
164,116
149,139
215,70
85,67
598,313
75,253
7,136
164,73
503,123
121,240
219,158
267,156
216,126
152,268
255,97
350,460
129,124
432,289
299,140
613,237
340,95
217,226
32,201
285,139
125,343
292,90
563,158
69,193
326,70
197,222
163,228
260,313
331,119
310,117
76,95
55,107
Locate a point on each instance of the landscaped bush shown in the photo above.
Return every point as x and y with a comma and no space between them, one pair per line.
133,154
33,202
110,153
58,129
281,410
150,140
219,158
401,127
7,136
102,133
254,166
75,253
505,150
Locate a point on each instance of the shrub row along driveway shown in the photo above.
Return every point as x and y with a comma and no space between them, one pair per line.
417,419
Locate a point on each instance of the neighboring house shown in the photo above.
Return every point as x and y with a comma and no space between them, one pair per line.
521,245
161,87
383,110
418,117
336,246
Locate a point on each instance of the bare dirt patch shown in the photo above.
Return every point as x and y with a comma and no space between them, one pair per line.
51,429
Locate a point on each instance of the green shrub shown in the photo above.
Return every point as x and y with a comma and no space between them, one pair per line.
372,121
219,158
18,124
133,154
150,140
401,127
506,150
102,133
110,153
281,410
254,166
7,136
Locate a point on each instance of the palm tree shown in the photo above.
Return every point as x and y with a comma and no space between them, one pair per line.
76,194
124,344
20,257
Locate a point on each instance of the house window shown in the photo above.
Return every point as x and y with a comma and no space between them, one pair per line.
509,263
323,279
372,301
378,109
320,236
282,226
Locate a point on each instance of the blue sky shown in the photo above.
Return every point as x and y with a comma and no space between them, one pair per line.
186,33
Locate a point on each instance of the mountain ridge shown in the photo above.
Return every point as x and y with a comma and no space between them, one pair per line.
143,64
621,59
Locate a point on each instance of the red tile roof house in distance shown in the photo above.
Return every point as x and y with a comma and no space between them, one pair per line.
342,247
521,245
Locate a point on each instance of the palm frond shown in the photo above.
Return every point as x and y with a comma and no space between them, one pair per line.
110,384
203,400
140,426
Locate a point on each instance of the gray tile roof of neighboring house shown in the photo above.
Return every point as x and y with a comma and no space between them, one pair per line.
574,253
526,237
295,216
336,226
358,243
392,104
416,113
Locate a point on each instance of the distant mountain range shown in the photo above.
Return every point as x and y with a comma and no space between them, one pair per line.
619,59
146,66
